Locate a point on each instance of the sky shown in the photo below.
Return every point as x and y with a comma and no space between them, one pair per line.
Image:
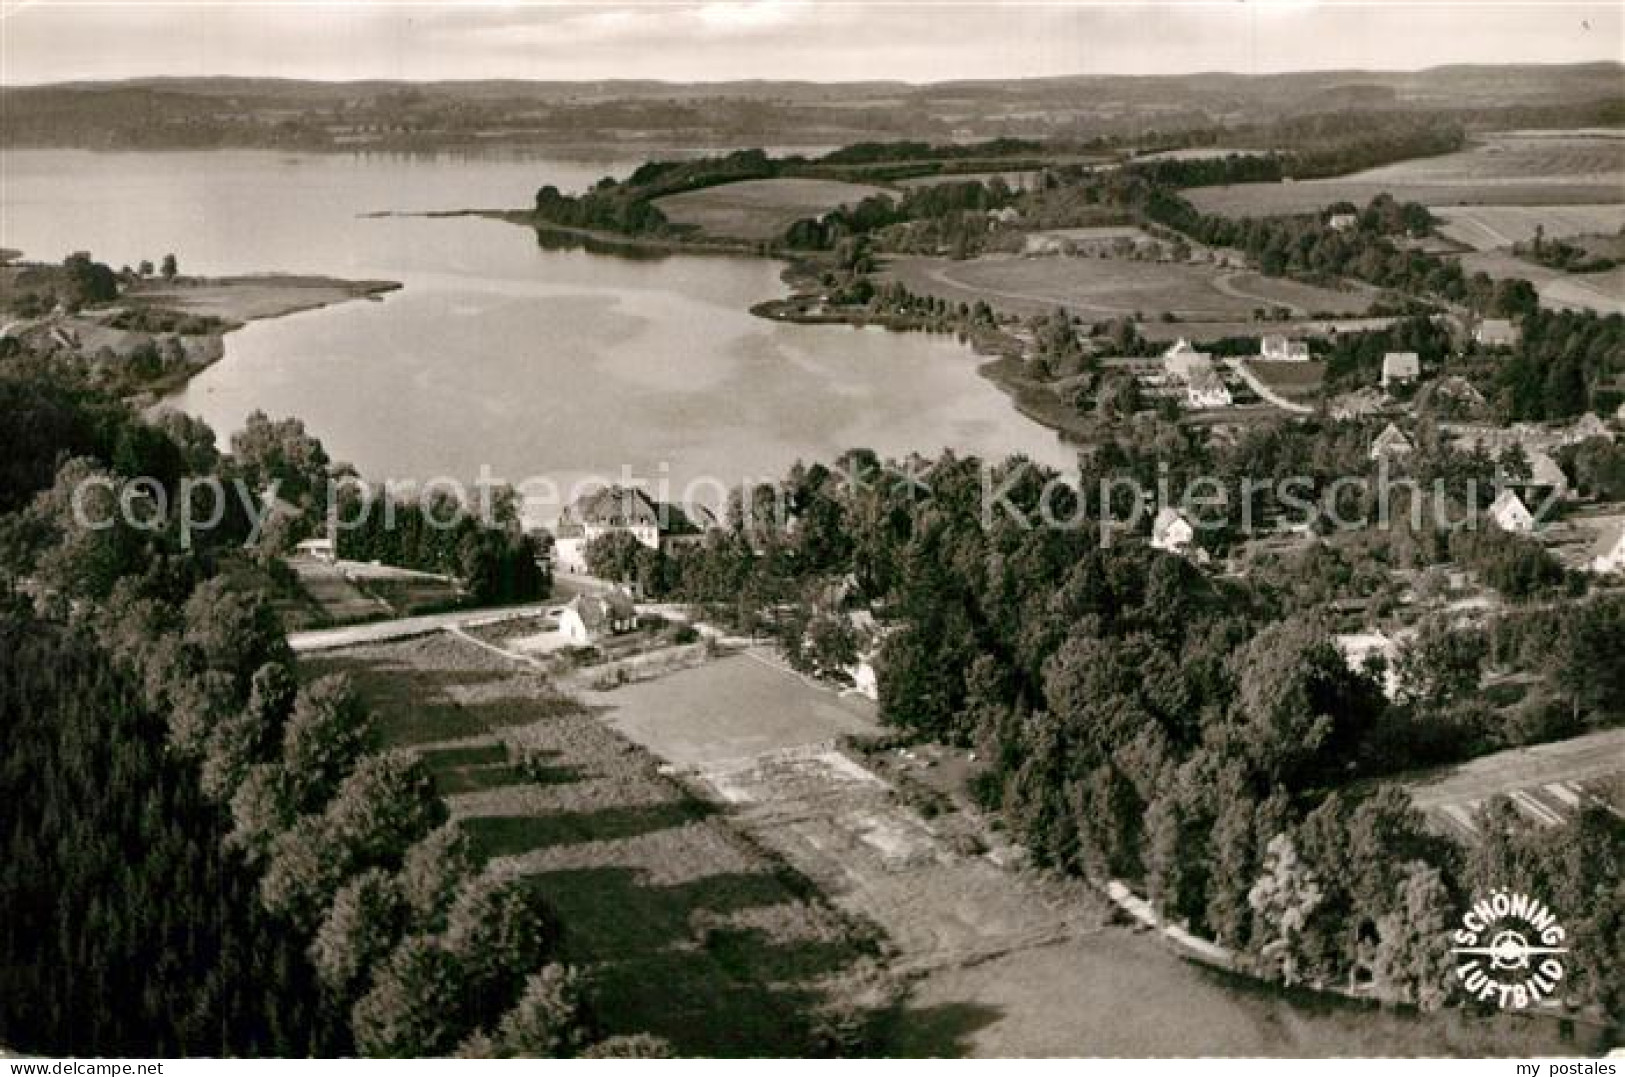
820,40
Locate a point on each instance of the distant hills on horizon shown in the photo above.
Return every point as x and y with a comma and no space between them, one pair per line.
772,87
204,112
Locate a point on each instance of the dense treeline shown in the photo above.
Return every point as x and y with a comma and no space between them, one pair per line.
495,559
1211,171
1567,363
247,873
128,928
1336,143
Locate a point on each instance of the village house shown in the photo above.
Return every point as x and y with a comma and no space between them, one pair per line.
1495,333
1509,513
1453,394
1279,349
1205,389
1400,368
1182,361
1172,532
317,549
658,525
1608,555
1391,444
586,619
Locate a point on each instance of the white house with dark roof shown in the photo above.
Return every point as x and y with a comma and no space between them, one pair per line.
1509,513
659,525
1205,389
1391,444
1276,348
586,619
1400,368
1171,531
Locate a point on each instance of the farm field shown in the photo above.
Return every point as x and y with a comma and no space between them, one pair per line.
1203,331
760,209
1108,288
1601,292
733,707
1506,169
1485,228
1002,961
1547,782
686,929
1295,381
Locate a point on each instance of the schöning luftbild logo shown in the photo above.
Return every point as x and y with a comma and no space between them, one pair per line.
1509,944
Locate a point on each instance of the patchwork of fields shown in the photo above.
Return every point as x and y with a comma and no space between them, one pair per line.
1001,961
760,209
686,928
1506,169
1108,288
1484,228
1547,783
1601,292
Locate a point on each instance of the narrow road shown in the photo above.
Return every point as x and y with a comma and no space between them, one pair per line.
327,639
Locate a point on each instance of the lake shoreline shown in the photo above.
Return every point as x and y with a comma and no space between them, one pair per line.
221,304
805,306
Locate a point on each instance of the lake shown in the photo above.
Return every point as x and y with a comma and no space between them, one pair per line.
497,353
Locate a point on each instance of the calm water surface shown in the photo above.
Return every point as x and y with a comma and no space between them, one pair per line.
497,352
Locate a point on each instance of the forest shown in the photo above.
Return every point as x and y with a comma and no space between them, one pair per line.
206,855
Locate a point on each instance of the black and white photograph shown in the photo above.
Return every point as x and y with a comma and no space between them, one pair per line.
812,529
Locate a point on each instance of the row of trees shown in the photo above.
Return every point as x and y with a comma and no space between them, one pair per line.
190,815
494,558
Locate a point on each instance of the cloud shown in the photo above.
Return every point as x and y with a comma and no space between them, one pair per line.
918,40
747,16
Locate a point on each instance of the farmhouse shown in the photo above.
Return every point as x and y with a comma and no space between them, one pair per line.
1400,368
659,525
1182,360
1171,531
589,618
1391,444
1495,333
1205,389
1608,555
1276,348
1509,513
